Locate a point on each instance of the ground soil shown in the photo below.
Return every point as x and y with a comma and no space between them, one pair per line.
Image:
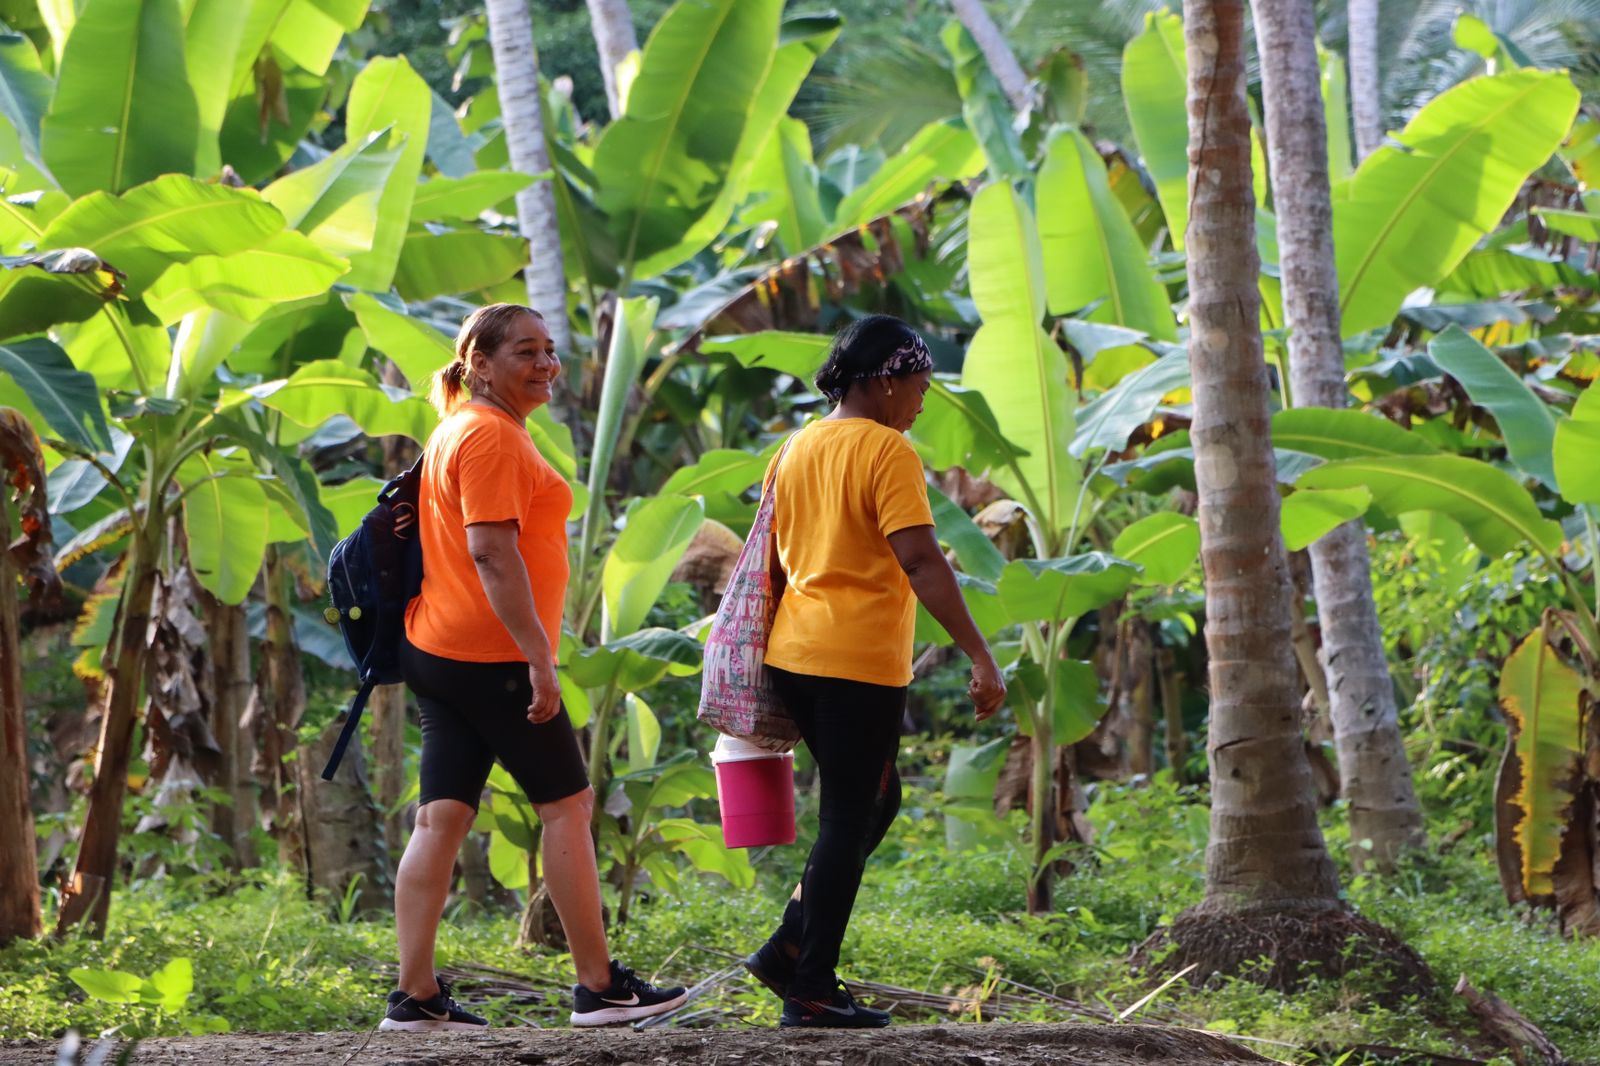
902,1045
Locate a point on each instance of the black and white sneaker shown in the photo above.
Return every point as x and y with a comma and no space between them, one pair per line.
839,1011
770,965
439,1014
627,1000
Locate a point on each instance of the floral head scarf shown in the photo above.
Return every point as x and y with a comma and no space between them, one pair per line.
912,357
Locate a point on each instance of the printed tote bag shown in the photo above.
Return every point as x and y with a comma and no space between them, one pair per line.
736,693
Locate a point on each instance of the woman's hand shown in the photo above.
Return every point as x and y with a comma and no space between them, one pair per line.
987,687
546,703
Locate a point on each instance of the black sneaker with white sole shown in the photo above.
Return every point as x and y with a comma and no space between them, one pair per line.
439,1014
838,1011
773,967
627,1000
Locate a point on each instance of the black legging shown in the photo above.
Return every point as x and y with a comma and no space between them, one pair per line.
853,732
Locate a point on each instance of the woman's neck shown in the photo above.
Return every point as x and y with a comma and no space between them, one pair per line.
854,407
489,399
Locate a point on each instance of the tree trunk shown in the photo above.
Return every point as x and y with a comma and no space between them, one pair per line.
614,39
1374,773
1042,798
387,710
1002,61
19,871
1366,102
281,697
1137,662
516,67
1175,741
88,892
1266,851
228,633
341,828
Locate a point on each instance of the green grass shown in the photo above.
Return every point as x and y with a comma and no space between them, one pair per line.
267,959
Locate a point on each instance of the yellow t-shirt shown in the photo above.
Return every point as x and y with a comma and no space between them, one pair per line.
848,611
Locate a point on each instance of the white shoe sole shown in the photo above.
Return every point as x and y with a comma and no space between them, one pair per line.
618,1015
428,1025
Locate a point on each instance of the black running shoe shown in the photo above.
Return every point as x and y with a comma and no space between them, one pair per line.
838,1011
434,1015
627,1000
773,967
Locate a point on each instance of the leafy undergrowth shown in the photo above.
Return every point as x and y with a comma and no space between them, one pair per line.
266,959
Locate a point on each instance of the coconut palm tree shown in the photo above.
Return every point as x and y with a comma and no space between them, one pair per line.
1374,773
614,38
1002,61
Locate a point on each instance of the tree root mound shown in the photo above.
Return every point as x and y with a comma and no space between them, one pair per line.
1284,949
901,1045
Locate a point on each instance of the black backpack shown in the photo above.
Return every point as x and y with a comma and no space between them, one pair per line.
372,574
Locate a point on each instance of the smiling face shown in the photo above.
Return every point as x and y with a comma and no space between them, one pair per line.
521,372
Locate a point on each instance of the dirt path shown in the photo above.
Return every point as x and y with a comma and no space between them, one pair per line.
905,1045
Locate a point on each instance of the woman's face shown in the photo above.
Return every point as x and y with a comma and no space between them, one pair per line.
522,372
903,404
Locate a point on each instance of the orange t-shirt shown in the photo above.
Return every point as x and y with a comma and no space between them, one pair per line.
843,486
480,465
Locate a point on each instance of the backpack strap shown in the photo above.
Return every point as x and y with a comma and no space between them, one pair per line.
351,723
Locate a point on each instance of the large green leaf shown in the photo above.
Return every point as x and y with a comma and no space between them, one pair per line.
225,517
387,94
123,111
1165,545
1078,702
642,558
1110,419
1580,224
418,349
1013,361
1415,208
940,152
258,142
630,335
783,189
984,105
635,662
662,164
172,219
957,428
1497,512
766,134
442,264
24,91
466,197
796,354
249,284
1342,433
1525,422
318,391
1543,700
212,33
349,501
1310,514
66,397
1092,255
1052,590
1154,89
309,31
335,201
974,551
721,470
1577,443
1336,109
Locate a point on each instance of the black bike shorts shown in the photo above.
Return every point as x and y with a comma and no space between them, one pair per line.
475,713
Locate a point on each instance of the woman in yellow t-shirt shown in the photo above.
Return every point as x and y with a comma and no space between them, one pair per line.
856,547
480,656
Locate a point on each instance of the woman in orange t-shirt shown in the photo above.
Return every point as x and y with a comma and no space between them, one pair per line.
856,551
480,656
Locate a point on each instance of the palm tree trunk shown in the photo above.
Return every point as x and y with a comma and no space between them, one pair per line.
516,67
1366,106
1002,61
1374,773
614,39
19,870
1266,851
228,633
88,892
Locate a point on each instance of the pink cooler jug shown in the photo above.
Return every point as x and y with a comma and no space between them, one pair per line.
755,789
